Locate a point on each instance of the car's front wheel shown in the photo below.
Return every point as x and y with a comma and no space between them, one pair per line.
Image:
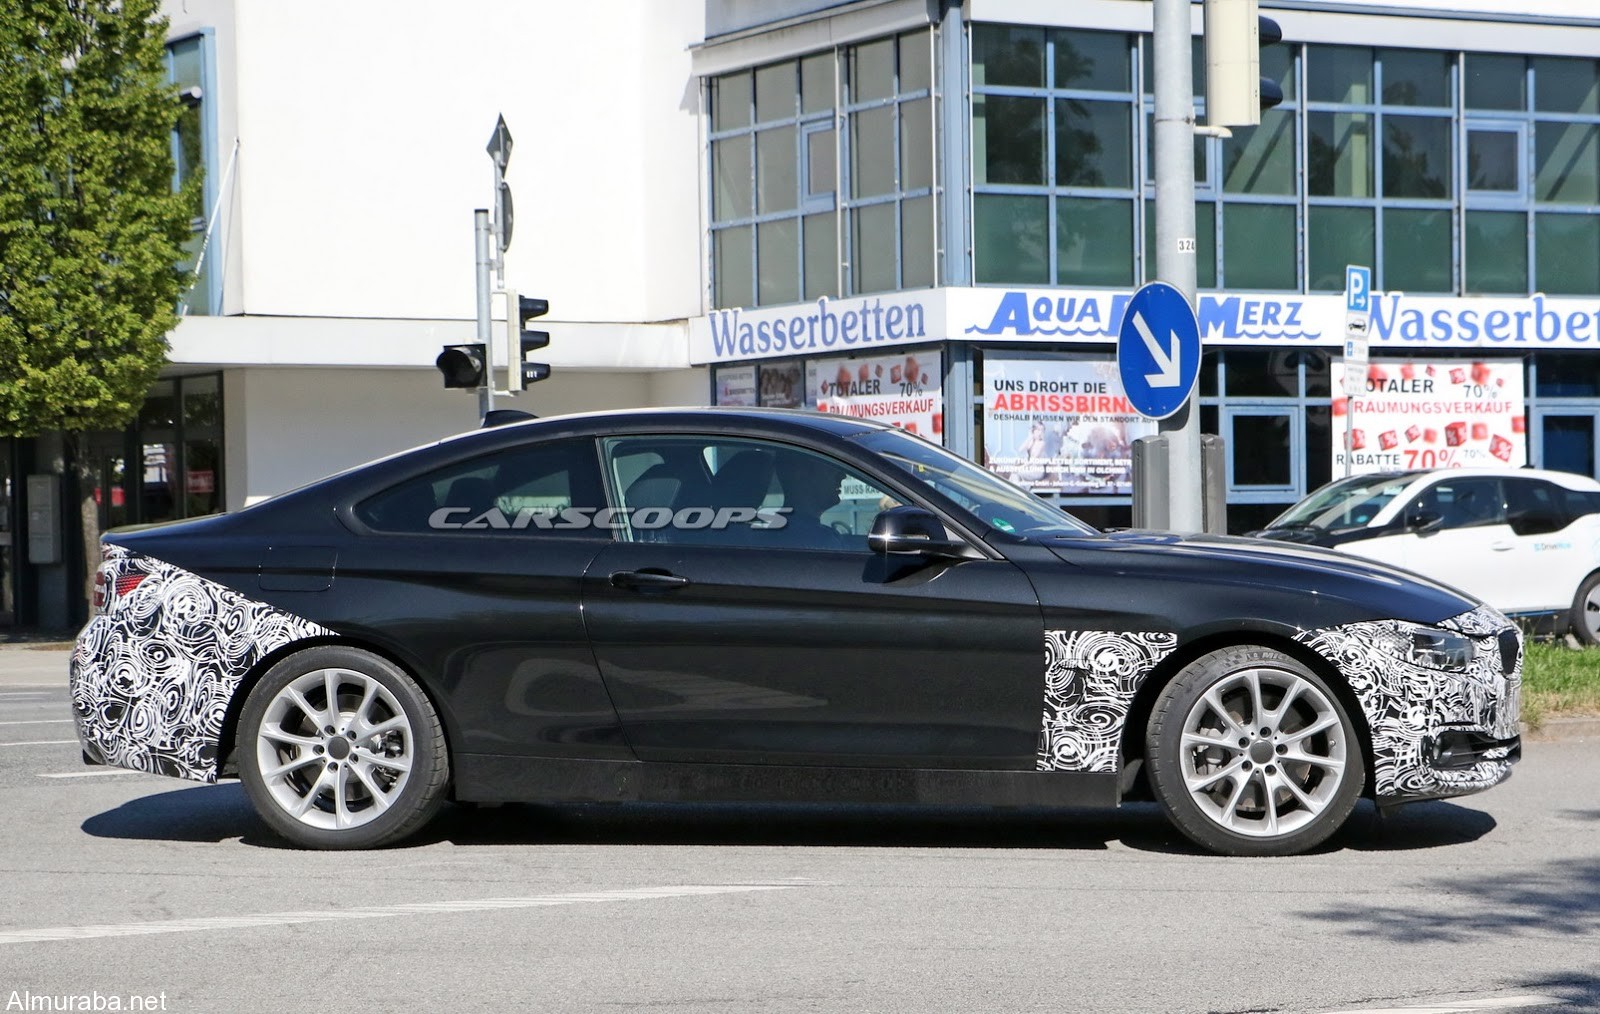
1251,753
342,749
1586,610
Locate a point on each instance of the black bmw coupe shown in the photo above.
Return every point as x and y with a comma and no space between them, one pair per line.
708,604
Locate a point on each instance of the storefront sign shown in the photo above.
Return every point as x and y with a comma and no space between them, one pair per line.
900,390
1060,426
1431,413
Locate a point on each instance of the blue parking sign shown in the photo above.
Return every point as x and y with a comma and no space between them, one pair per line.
1357,289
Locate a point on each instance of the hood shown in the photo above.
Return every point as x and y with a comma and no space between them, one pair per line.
1305,586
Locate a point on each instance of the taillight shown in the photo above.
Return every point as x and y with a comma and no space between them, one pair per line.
99,598
127,583
108,588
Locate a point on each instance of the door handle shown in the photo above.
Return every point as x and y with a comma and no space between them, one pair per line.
1501,546
647,580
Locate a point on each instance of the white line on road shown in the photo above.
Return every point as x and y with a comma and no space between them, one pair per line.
95,774
42,742
1463,1006
231,922
41,721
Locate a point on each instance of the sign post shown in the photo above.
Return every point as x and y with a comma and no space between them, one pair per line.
1357,327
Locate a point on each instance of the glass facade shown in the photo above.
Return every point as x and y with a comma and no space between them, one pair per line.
191,150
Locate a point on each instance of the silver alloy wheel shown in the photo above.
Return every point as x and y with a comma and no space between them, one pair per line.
335,749
1263,752
1591,614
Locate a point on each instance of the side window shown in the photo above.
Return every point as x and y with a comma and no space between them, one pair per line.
1579,503
530,490
1464,503
720,491
1534,507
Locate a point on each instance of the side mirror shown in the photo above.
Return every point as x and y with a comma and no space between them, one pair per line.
1426,522
912,531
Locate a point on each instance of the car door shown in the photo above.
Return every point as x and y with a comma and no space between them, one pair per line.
775,636
1472,546
1550,556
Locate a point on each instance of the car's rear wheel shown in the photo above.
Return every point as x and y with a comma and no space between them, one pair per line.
1252,754
1586,610
339,748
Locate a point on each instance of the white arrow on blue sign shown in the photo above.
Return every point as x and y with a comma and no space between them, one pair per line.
1158,350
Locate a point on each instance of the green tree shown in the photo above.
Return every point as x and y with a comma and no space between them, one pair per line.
91,231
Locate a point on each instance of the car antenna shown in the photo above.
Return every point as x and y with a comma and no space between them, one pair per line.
502,416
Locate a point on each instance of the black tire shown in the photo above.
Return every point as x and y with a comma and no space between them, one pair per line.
1586,610
347,783
1252,794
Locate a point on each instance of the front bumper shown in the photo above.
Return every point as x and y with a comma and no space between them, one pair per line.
1435,734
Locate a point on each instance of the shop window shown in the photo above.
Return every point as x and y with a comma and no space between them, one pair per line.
1566,375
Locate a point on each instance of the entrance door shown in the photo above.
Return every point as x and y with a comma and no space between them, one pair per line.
1568,439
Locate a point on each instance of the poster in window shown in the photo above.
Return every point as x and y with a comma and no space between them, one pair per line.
902,390
782,386
736,385
1060,426
1431,413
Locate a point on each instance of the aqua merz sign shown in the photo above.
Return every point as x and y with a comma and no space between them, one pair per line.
1089,316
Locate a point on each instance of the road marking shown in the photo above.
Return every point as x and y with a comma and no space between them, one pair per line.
95,774
231,922
41,721
1463,1006
42,742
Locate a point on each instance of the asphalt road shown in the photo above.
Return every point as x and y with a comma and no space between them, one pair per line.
173,896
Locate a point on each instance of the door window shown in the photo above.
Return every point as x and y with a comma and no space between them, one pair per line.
1535,507
540,490
717,491
1463,503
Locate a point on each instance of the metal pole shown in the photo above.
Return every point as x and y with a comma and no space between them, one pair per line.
1175,239
480,236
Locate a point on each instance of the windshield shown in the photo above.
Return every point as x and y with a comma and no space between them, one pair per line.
991,499
1348,503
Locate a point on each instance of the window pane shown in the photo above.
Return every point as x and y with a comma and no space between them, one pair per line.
1277,63
816,83
776,171
1007,139
1261,453
871,67
1098,61
916,70
1416,156
1003,55
822,256
916,144
778,258
1416,250
1570,375
1009,239
1339,74
1562,85
1568,167
1260,160
1339,160
1567,254
1205,242
872,249
1258,246
730,101
730,170
917,249
775,92
202,475
1496,82
1497,251
872,152
1197,59
202,405
1094,144
1094,242
1202,178
730,253
1415,77
1337,237
820,163
1492,160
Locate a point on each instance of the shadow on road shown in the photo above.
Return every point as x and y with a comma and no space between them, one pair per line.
214,813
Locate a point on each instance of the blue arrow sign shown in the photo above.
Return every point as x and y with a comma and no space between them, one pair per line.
1158,350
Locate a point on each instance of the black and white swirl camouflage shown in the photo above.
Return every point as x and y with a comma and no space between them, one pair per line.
1406,704
153,675
1090,678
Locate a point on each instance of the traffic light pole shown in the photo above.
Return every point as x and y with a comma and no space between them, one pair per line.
1175,240
480,236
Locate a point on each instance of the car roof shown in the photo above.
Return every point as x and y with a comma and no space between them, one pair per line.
721,415
1571,480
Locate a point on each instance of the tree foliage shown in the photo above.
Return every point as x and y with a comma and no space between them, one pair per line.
91,231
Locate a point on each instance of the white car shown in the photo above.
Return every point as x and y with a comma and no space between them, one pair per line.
1523,540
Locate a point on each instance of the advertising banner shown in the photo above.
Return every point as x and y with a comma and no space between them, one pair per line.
781,386
1060,426
736,385
1420,414
899,390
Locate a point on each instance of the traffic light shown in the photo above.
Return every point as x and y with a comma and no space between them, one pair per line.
1235,90
462,365
523,341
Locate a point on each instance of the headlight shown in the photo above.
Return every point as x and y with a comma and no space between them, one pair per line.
1439,649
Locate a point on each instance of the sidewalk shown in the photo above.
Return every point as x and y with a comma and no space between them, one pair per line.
34,662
